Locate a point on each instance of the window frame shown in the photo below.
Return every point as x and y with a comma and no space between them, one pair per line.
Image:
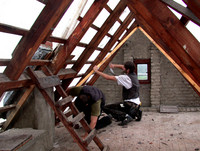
144,61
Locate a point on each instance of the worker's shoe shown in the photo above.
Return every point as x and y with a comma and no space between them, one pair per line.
138,117
127,119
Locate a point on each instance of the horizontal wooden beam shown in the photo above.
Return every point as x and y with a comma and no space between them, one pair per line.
7,108
183,10
43,1
40,30
24,80
22,32
77,34
194,6
5,62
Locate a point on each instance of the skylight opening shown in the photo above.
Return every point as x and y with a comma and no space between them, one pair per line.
69,66
94,55
20,16
84,69
177,14
69,20
101,18
124,14
122,34
113,3
86,8
88,80
131,23
88,36
2,68
104,42
194,29
8,44
77,52
180,2
113,47
114,28
74,82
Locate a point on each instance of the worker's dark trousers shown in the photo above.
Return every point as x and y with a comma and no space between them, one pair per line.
119,112
101,122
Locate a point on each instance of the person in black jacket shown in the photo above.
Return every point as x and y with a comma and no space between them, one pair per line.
129,109
90,100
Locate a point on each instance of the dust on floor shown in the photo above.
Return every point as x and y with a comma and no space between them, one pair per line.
155,132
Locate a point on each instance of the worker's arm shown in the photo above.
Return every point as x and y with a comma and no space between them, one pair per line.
106,76
116,66
93,123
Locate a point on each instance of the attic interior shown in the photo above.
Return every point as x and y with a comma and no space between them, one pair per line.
93,35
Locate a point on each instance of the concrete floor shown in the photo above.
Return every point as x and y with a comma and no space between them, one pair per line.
155,132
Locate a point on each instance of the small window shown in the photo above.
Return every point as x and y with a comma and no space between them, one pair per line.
143,70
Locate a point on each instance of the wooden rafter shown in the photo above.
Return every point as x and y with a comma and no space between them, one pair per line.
22,32
24,81
194,6
111,42
76,36
183,10
172,36
48,19
99,36
103,67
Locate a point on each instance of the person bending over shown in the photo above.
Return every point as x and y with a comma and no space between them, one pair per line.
90,101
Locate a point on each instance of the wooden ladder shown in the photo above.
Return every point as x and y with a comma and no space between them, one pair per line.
51,80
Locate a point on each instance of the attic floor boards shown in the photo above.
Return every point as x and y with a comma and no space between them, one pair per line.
156,132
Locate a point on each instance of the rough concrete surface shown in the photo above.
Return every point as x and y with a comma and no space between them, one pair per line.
155,132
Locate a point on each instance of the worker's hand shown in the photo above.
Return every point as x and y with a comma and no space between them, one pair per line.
95,68
111,65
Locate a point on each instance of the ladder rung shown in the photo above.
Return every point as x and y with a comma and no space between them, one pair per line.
49,81
64,101
7,108
106,148
69,113
77,118
90,137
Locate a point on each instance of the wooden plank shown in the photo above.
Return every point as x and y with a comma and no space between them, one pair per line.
99,36
194,6
5,62
19,31
48,18
64,101
90,137
7,108
167,31
43,1
14,113
77,34
77,118
24,80
182,10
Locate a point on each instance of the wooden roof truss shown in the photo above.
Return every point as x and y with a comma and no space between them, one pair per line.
154,18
